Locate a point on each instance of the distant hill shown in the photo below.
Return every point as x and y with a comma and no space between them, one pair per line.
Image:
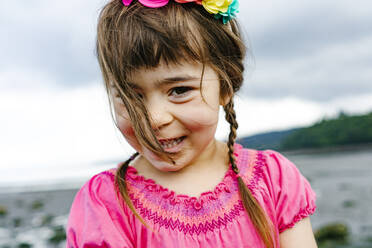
341,131
262,141
344,130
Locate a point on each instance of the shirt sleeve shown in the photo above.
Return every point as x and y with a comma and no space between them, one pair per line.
293,196
97,219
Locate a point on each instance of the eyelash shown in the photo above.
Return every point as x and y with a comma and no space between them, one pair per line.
184,89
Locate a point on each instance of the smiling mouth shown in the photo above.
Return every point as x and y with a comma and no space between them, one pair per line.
168,144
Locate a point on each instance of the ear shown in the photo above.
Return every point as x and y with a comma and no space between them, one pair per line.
225,99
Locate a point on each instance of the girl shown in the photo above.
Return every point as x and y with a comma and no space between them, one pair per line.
167,67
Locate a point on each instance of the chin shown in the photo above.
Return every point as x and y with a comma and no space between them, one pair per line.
159,163
166,166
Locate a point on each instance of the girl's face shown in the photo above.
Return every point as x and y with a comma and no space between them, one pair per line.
184,124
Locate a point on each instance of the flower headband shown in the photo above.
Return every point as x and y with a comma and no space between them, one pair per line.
225,9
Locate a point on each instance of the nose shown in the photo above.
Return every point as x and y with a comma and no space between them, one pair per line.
160,114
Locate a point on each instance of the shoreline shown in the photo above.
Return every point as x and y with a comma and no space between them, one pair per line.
39,188
29,204
343,177
331,149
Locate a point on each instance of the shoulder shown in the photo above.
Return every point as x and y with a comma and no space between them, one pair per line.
101,185
264,164
277,183
98,211
270,171
97,192
280,174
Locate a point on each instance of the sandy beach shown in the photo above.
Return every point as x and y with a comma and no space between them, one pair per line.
35,218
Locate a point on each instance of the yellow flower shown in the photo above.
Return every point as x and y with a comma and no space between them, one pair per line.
216,6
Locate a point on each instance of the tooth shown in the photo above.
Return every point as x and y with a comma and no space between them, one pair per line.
170,143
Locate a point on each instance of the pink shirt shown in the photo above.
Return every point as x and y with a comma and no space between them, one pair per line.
100,218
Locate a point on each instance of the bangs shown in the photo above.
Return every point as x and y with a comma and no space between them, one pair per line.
145,38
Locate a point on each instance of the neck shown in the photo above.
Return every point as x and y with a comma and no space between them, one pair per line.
216,153
215,156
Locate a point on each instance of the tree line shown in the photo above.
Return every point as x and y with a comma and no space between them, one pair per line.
343,130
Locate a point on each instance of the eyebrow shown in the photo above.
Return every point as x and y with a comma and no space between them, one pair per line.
169,81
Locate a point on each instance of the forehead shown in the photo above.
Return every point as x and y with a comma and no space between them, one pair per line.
166,70
172,73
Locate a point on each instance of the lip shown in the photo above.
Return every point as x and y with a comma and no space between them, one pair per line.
176,148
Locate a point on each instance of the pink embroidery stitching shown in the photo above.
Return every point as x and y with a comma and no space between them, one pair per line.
174,199
260,161
180,223
182,226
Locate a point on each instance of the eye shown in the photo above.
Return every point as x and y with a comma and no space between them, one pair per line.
139,95
180,91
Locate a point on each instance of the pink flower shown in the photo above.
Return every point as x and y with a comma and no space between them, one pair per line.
189,1
226,9
148,3
127,2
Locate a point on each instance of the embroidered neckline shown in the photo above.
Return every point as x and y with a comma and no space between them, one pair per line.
194,215
188,201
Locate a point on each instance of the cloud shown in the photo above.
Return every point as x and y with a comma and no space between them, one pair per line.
314,50
56,127
338,71
50,37
292,29
257,115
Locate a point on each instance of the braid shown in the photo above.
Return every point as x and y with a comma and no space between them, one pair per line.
122,186
257,215
231,119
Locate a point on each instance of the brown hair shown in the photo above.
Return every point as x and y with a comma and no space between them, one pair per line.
136,37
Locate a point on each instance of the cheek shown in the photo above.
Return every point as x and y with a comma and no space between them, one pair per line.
198,116
123,121
126,128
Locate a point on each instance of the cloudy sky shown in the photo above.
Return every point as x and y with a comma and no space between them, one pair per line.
311,59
